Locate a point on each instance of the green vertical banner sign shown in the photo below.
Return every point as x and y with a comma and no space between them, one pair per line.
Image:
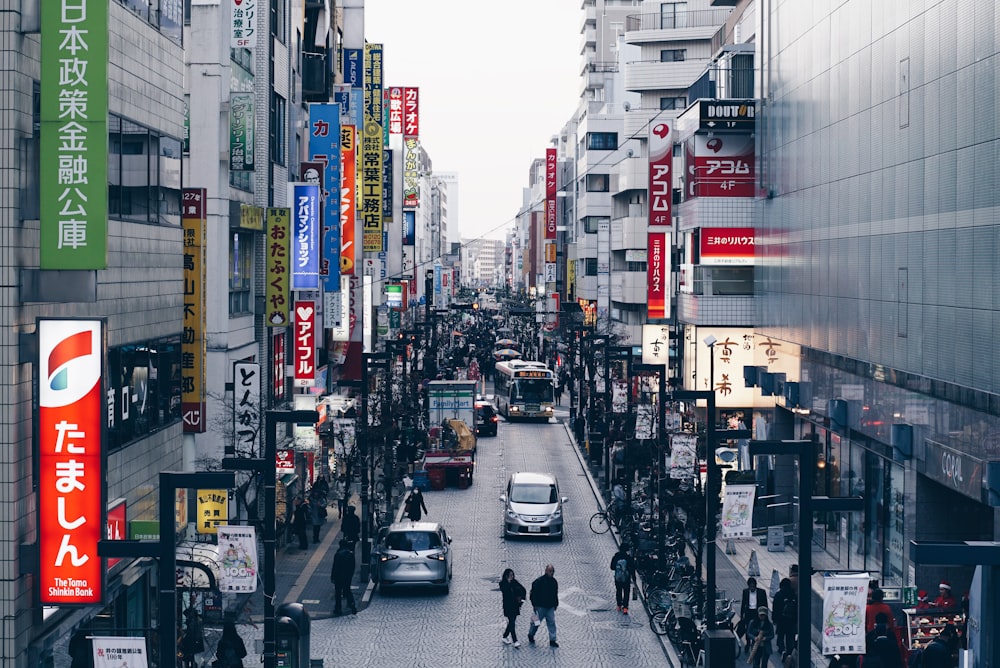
241,132
74,135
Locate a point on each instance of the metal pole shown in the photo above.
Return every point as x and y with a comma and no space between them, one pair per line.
167,577
807,476
711,501
660,473
270,531
362,428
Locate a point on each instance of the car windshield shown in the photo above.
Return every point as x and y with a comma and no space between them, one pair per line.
410,541
533,494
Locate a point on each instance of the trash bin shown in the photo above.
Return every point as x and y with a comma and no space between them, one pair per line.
595,441
292,636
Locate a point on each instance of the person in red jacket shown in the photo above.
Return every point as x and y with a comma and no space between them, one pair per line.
923,601
876,606
945,600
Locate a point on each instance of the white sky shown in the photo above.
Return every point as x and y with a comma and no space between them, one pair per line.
497,81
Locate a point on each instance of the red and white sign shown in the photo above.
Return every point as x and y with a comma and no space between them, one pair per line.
720,166
727,245
278,368
117,525
661,164
284,461
550,193
411,113
71,508
305,344
657,276
395,110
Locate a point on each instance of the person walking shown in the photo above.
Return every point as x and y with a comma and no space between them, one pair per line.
414,504
938,652
786,617
341,575
300,520
545,600
231,650
336,495
350,525
881,645
317,516
513,593
624,567
752,600
761,630
876,606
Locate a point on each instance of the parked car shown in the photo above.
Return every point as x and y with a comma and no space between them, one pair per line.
486,419
533,506
412,554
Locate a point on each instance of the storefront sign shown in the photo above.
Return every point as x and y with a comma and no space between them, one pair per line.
550,193
119,652
247,408
241,132
305,344
411,173
720,166
213,510
278,366
278,257
661,189
71,461
658,276
74,135
953,469
395,111
843,622
727,245
655,344
237,559
284,461
193,339
243,24
325,146
117,525
305,236
348,198
411,112
371,152
737,511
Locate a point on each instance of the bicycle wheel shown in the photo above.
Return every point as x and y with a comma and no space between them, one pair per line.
658,623
599,522
658,598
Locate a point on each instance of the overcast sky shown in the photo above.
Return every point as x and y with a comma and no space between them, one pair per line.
497,81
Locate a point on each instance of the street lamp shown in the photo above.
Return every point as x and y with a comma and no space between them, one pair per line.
379,359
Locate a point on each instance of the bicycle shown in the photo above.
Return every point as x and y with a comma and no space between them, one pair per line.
603,520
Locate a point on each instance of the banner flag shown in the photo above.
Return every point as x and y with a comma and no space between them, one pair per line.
844,600
237,559
737,511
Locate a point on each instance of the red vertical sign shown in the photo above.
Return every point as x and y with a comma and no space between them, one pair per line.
550,193
71,510
657,275
661,190
411,113
278,371
395,110
305,344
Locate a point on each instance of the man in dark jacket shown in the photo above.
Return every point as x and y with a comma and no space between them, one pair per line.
753,599
341,576
624,572
882,649
545,599
938,652
350,525
300,520
785,609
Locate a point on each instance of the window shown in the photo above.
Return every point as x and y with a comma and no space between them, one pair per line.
673,103
144,174
31,172
591,223
591,266
673,15
144,386
673,55
602,141
598,183
240,254
278,19
277,129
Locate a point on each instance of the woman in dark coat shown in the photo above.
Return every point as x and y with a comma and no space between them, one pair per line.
514,594
231,650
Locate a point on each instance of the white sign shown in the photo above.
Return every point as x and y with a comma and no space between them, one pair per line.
843,622
119,652
682,456
343,431
247,407
655,344
737,511
243,23
237,559
645,421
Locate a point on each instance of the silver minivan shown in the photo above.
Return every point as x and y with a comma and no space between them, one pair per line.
411,554
532,506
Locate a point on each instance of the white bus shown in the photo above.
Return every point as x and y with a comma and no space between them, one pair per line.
524,390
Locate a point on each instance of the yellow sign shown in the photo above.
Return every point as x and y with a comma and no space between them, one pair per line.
251,218
213,509
278,253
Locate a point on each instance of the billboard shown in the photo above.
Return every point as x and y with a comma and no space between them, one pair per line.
305,344
348,198
411,112
720,166
726,245
278,253
550,193
324,145
658,276
661,159
411,173
305,236
371,152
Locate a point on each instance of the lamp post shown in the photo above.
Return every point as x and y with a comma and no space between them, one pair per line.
366,460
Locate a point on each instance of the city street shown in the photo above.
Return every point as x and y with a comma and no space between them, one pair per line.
464,627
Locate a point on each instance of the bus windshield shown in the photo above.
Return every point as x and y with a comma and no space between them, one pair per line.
532,390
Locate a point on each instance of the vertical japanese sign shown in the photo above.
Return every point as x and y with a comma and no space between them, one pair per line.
117,525
348,198
247,409
278,367
661,158
411,173
237,559
305,236
371,152
74,135
213,509
305,344
657,276
193,335
278,254
241,132
395,111
71,502
843,623
411,112
737,511
550,193
243,24
324,145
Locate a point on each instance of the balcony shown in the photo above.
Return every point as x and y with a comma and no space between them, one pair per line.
630,231
668,26
630,174
643,75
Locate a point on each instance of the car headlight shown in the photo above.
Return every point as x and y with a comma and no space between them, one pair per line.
514,409
437,556
556,515
511,515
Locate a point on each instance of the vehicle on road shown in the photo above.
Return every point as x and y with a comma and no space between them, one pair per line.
524,390
486,419
412,554
533,506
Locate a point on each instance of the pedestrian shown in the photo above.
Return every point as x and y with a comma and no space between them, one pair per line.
341,576
761,630
624,567
938,652
350,525
753,599
559,393
230,651
414,504
875,607
786,617
545,600
336,495
317,516
300,520
193,640
881,645
513,596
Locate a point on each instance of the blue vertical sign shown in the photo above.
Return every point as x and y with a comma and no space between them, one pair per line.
305,236
324,144
354,62
437,287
